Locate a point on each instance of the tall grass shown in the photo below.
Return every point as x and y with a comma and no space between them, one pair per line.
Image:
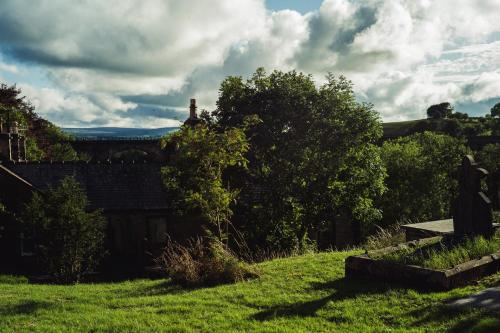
444,256
203,261
385,237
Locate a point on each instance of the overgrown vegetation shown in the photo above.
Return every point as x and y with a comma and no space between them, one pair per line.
385,237
203,261
312,159
69,239
445,255
421,178
194,174
44,140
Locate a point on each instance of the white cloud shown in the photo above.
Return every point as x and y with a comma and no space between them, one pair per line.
8,68
119,61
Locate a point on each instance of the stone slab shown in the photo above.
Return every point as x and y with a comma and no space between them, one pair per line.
364,266
440,226
416,231
488,298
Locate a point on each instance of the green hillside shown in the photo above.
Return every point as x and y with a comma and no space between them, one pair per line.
300,294
399,128
473,126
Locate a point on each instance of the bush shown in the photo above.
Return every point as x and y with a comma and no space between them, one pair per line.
203,262
69,240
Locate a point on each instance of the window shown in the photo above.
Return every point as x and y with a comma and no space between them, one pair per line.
27,244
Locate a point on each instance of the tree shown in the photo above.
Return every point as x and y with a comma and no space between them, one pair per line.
194,174
440,111
312,158
421,183
489,158
43,139
459,115
495,110
69,239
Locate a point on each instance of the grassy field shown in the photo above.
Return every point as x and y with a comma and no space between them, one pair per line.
301,294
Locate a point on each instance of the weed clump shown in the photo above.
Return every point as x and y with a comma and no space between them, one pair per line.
203,262
385,237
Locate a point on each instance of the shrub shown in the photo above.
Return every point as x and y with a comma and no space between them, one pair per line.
203,261
69,240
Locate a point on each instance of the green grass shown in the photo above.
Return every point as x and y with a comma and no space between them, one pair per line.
399,128
442,256
301,294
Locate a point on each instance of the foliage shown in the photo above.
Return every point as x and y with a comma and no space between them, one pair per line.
489,158
69,240
445,255
44,139
312,156
421,183
203,262
495,110
440,111
63,152
301,294
195,170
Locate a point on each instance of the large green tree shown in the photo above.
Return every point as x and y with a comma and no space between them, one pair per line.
194,174
421,182
312,157
69,239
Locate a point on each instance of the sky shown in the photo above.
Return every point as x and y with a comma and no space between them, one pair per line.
135,63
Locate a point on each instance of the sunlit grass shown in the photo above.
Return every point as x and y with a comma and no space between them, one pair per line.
300,294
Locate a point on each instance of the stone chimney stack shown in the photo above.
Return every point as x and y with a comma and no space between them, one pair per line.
192,109
14,128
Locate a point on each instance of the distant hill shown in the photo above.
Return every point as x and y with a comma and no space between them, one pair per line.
118,132
401,128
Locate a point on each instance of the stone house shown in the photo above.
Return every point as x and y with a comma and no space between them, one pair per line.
130,194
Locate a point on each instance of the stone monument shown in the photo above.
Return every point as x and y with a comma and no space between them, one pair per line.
472,213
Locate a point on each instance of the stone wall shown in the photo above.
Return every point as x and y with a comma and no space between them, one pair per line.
117,150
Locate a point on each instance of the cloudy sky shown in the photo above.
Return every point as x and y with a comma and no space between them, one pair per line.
136,63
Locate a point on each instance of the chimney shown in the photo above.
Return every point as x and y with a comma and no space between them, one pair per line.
192,109
14,128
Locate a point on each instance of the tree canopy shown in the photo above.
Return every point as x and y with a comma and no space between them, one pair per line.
312,156
495,110
421,183
194,173
440,111
44,139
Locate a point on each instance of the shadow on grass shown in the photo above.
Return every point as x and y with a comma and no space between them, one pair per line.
342,289
471,320
24,308
161,287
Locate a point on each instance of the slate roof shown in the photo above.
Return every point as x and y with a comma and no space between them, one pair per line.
111,187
